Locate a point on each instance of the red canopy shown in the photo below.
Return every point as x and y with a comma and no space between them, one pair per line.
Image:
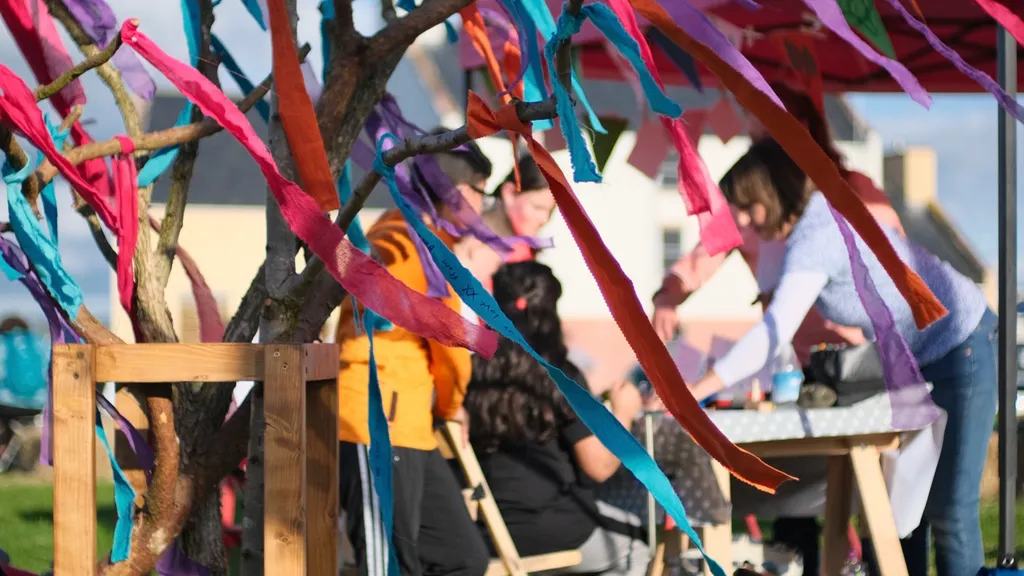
961,24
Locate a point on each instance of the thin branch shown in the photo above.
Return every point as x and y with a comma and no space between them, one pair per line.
400,33
159,139
97,59
97,231
5,227
18,159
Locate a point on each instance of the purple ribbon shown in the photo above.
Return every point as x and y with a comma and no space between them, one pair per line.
99,23
829,13
984,80
912,405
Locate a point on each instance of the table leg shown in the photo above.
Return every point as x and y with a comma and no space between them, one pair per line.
877,510
837,514
717,539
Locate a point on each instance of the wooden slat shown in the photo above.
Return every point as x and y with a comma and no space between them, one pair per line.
874,498
284,397
540,562
321,362
836,446
718,538
838,504
74,460
322,476
147,363
503,543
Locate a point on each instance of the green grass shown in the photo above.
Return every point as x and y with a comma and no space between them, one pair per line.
26,523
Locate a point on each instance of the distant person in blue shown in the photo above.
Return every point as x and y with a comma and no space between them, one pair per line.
22,367
769,192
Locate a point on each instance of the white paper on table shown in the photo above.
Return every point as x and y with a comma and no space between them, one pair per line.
909,472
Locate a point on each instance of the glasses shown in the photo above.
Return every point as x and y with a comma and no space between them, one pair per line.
477,189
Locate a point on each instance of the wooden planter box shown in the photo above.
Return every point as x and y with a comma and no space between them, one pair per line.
301,440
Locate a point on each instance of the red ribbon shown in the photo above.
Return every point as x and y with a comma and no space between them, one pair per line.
126,196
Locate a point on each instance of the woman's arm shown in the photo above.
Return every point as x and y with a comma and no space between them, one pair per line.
793,298
596,461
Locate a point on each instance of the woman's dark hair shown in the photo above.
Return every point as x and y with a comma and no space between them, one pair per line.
530,176
802,107
766,175
466,164
511,400
11,323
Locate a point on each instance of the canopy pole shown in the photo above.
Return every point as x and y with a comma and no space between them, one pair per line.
1007,133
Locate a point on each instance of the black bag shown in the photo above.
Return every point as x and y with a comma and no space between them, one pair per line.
854,372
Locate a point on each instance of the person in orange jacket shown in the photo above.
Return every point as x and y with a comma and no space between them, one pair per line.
420,380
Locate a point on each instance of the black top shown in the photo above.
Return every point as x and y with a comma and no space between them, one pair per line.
546,500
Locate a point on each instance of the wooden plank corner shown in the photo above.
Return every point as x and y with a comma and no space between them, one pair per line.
322,361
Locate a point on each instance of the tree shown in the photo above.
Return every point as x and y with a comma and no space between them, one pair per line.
194,448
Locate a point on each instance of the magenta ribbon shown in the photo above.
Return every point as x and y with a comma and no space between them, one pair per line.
359,274
912,405
126,194
699,191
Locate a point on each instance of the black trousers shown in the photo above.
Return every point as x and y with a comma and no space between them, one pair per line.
433,533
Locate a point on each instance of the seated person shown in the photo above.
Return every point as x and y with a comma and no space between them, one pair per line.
542,463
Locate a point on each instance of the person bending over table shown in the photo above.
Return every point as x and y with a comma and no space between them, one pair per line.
541,462
771,195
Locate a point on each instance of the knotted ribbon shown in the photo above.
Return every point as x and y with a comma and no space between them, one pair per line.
812,160
126,195
616,288
359,274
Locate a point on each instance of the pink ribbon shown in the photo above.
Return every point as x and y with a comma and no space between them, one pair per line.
18,107
359,274
126,195
718,231
1006,18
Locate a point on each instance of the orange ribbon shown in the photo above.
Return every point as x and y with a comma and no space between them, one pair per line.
296,111
618,293
812,160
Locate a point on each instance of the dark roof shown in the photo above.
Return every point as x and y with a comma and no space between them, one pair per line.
225,174
929,227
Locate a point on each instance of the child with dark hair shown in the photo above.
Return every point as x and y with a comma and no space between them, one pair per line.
541,462
420,380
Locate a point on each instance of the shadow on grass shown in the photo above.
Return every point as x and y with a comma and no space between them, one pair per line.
105,516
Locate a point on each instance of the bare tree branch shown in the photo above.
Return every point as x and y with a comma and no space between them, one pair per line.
400,33
97,59
157,140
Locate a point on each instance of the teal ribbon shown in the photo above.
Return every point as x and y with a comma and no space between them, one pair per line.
381,470
592,413
40,249
253,8
534,88
124,500
539,12
48,193
326,15
355,234
162,159
244,84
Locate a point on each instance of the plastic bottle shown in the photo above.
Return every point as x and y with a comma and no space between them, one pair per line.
787,376
852,566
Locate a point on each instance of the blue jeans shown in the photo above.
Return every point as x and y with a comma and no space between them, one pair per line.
964,385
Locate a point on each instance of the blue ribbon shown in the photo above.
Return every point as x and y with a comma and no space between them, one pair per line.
380,442
162,159
592,413
244,84
545,23
681,58
124,499
38,247
48,193
534,88
326,15
253,7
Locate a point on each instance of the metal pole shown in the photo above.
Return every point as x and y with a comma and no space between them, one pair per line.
1007,71
652,522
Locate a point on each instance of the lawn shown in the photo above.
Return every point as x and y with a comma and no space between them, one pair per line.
26,524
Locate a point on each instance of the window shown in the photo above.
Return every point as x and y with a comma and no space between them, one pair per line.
671,246
669,171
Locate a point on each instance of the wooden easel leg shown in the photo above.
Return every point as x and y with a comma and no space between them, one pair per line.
874,499
322,475
837,514
284,393
74,460
717,539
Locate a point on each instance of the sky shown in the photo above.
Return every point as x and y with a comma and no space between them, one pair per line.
962,130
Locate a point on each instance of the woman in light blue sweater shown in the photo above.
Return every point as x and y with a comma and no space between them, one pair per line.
769,192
